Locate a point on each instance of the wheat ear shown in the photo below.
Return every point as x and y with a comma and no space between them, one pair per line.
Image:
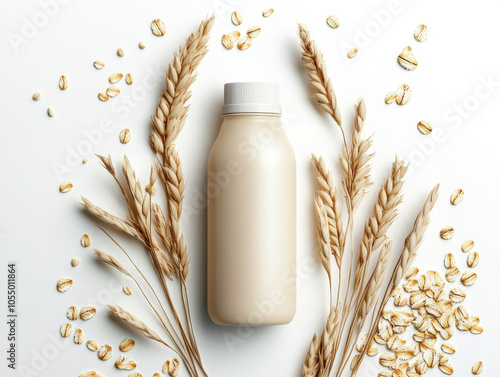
384,214
175,185
355,162
172,110
310,367
121,313
323,236
108,218
322,87
328,194
414,239
112,261
328,342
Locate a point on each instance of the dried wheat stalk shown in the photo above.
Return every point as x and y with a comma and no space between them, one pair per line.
145,220
361,297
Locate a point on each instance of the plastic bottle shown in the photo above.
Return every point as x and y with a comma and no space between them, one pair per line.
251,195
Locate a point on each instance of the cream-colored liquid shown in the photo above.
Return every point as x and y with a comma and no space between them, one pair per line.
251,223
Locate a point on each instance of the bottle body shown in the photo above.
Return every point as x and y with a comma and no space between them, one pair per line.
251,223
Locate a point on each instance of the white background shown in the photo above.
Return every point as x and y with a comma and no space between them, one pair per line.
40,228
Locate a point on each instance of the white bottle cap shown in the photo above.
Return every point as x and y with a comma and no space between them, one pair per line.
251,97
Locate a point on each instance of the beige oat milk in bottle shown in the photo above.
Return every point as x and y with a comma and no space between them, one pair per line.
251,211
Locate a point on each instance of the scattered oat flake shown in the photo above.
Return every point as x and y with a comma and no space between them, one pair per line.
390,97
120,52
125,363
126,345
63,83
253,32
227,42
448,348
125,136
420,33
84,161
478,367
65,187
333,21
63,284
79,336
115,77
142,45
268,12
103,97
85,240
352,53
452,274
51,112
158,27
105,352
236,18
127,291
244,43
424,127
172,367
72,313
468,278
407,60
156,375
87,313
457,196
135,374
112,91
449,260
92,345
457,295
99,64
467,246
403,95
129,79
447,233
234,35
473,259
90,373
37,96
66,330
